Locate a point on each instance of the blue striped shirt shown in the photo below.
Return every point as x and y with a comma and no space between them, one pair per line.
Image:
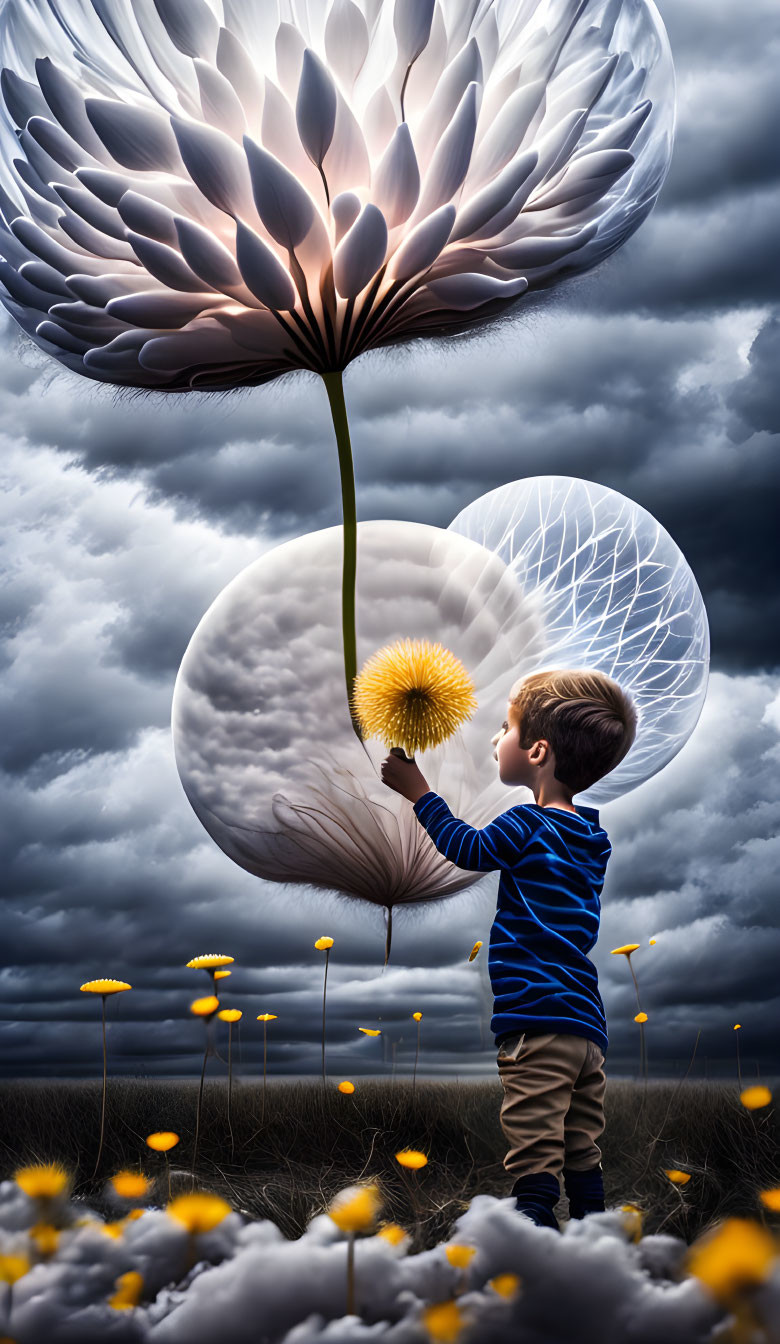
553,864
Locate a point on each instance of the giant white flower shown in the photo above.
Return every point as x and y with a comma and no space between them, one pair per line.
209,193
546,572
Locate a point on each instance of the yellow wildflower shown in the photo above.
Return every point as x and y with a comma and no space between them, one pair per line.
205,1007
162,1140
737,1026
678,1177
230,1014
222,975
42,1181
198,1212
46,1238
413,694
409,1157
738,1254
474,950
459,1256
323,943
771,1198
266,1017
632,1222
131,1184
443,1321
129,1287
640,1017
209,960
346,1086
393,1233
626,949
755,1097
417,1016
13,1268
104,986
506,1285
356,1209
369,1031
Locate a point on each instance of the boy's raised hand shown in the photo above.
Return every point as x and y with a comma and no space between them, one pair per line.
404,776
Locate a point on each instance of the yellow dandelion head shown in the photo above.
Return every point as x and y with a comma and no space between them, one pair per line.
738,1254
678,1177
474,950
346,1086
413,694
409,1157
129,1287
131,1184
417,1016
266,1017
506,1285
357,1208
230,1014
443,1321
13,1268
771,1199
222,975
755,1097
46,1238
626,949
209,961
460,1257
392,1233
43,1181
640,1017
370,1031
653,941
205,1007
104,986
632,1221
323,943
198,1212
737,1026
162,1140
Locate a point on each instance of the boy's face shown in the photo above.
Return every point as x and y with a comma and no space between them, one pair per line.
516,764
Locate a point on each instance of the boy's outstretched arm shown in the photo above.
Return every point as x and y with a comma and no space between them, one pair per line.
497,845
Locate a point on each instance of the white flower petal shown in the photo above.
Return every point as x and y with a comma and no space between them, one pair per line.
148,217
103,218
360,253
395,188
315,108
191,26
262,270
591,173
450,162
63,259
45,277
136,137
529,253
109,187
463,292
345,209
23,99
206,255
464,69
505,135
234,63
412,25
216,165
91,240
219,101
346,41
206,343
160,308
284,207
423,245
346,163
484,214
50,331
99,290
164,263
66,102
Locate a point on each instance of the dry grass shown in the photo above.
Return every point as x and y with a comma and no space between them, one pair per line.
312,1143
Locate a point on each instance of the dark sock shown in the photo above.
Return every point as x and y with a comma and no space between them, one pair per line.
537,1194
585,1191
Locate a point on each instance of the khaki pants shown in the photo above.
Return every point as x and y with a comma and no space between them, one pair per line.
553,1107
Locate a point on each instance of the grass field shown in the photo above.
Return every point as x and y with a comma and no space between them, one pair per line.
293,1155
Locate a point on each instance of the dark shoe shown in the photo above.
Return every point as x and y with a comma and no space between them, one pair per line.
585,1191
536,1195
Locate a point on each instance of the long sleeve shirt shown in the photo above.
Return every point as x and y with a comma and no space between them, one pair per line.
553,863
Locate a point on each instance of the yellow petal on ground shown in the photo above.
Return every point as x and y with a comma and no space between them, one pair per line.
409,1157
129,1287
443,1321
678,1177
356,1209
738,1254
162,1140
198,1212
460,1257
42,1181
755,1097
506,1285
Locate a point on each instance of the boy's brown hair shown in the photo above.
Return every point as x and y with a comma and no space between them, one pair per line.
588,720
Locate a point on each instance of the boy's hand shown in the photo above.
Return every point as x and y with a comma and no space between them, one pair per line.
403,775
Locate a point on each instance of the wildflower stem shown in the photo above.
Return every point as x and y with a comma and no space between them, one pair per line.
334,386
230,1086
351,1274
168,1172
416,1054
103,1103
200,1102
265,1053
389,934
739,1070
324,987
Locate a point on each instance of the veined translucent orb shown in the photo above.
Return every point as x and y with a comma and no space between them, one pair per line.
614,592
547,572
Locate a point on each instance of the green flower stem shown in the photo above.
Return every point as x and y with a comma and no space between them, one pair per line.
334,386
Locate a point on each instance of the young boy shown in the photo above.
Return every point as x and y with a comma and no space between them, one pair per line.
563,731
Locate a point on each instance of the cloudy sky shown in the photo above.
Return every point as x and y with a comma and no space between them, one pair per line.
124,518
